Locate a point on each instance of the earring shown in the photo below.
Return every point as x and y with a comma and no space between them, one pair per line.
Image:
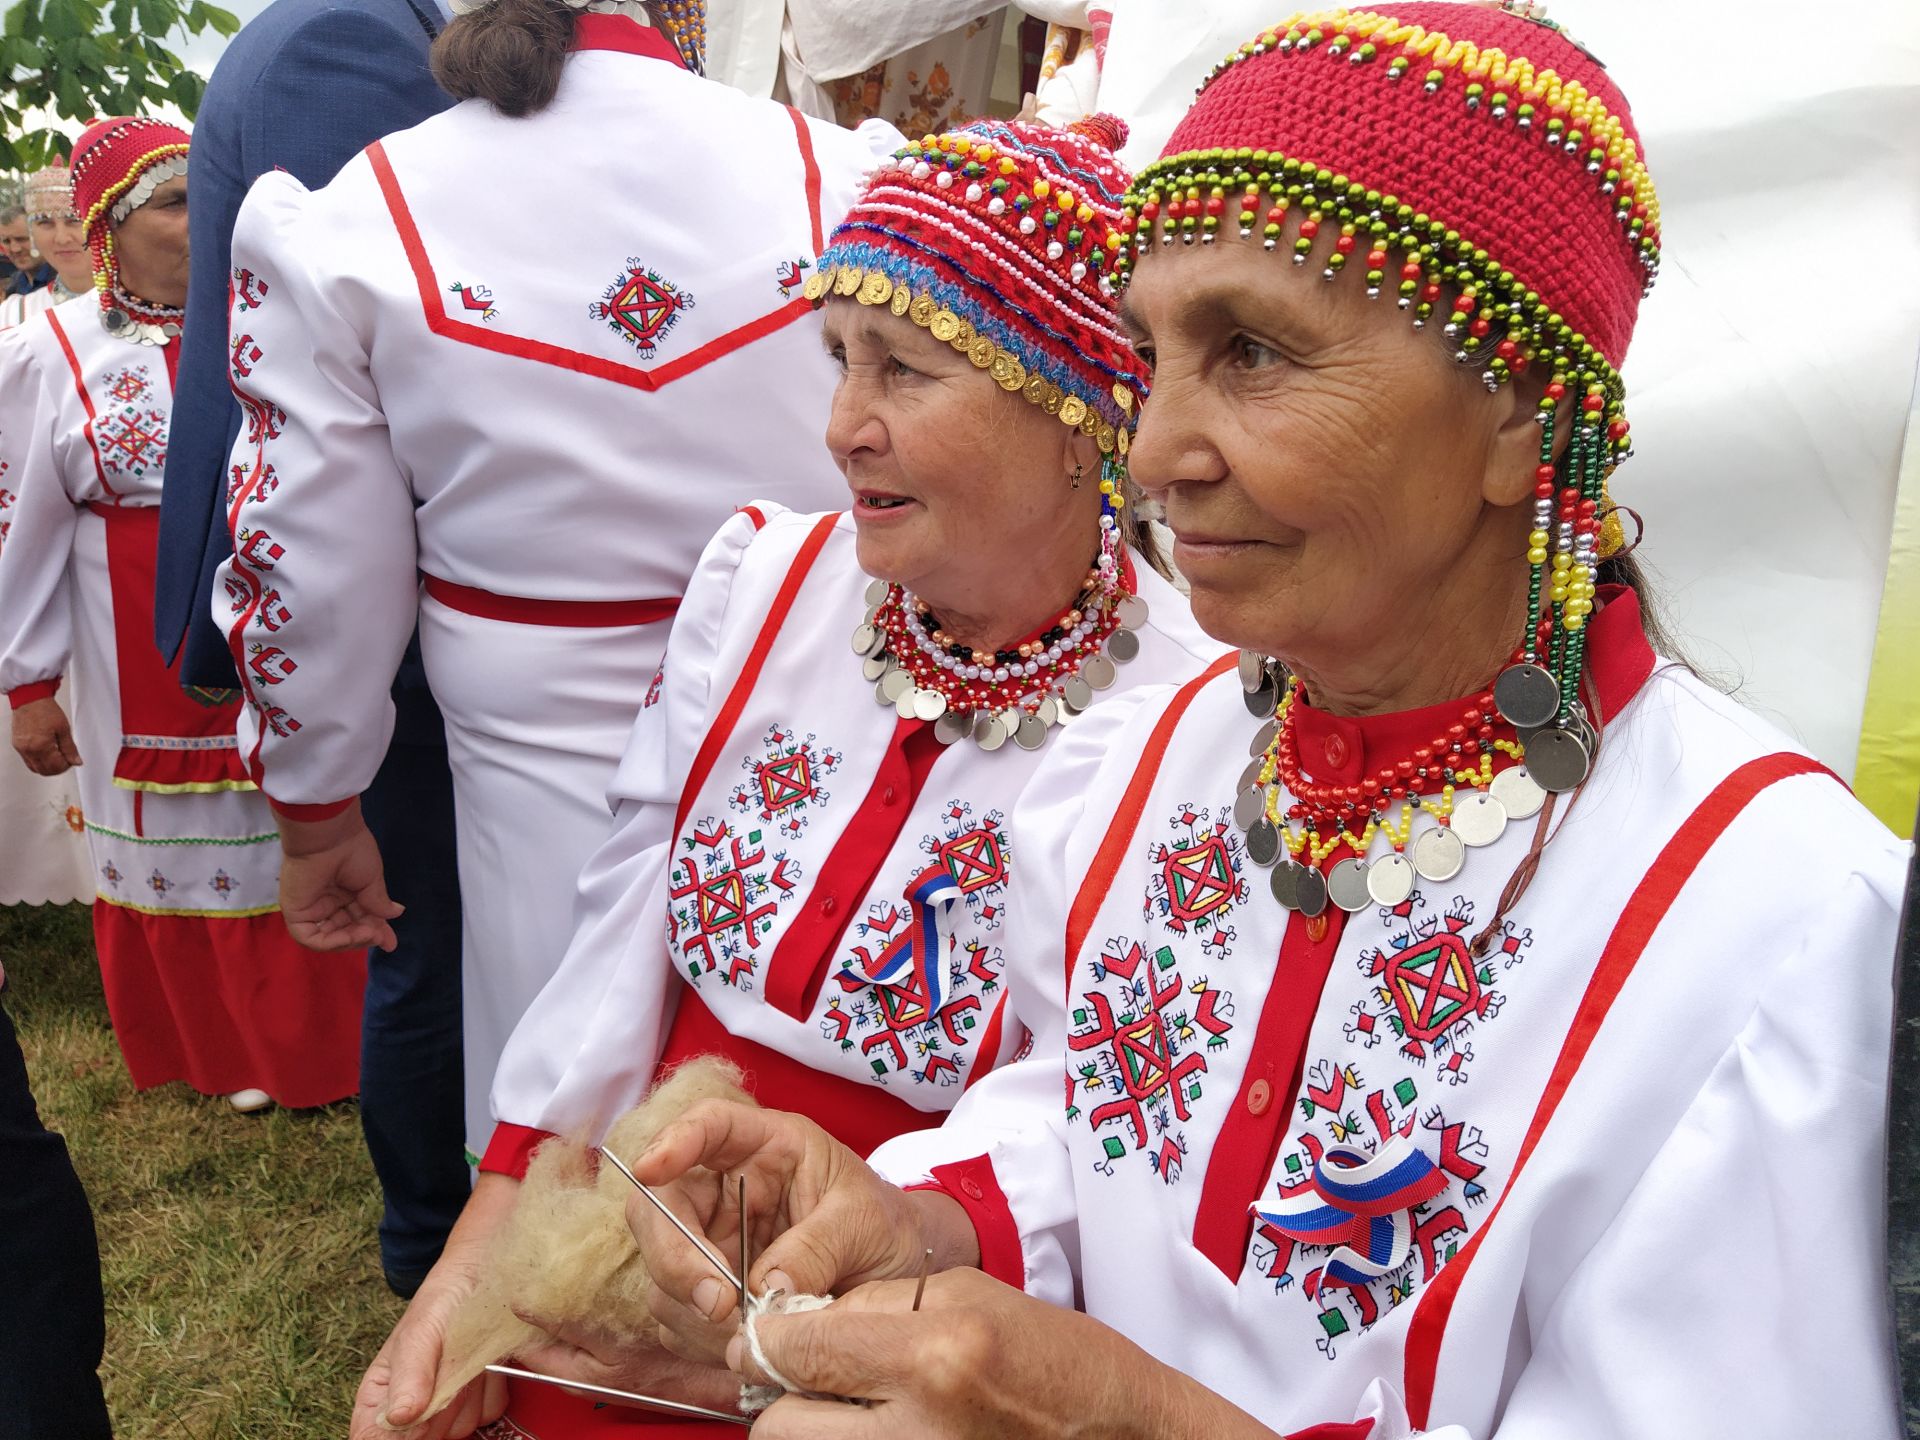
1078,471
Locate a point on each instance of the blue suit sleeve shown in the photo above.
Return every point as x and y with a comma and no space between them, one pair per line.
338,81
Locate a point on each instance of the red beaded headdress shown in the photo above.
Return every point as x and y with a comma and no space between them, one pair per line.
1466,152
48,194
117,166
1000,239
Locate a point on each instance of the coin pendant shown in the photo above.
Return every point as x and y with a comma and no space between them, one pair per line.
894,684
1479,819
1558,760
1309,892
1098,672
1263,842
1438,855
1253,671
1518,793
1077,693
1285,884
903,706
1123,645
1251,775
1263,702
1347,885
880,696
990,732
1249,807
952,727
929,704
171,330
865,639
1132,611
1263,739
877,592
874,666
1390,880
1049,712
1031,733
1526,695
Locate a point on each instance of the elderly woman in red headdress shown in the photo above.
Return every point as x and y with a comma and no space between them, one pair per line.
1516,1066
202,980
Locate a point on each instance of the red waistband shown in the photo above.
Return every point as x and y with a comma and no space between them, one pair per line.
576,614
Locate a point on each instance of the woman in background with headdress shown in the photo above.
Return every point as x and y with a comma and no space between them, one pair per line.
55,233
202,980
1528,1076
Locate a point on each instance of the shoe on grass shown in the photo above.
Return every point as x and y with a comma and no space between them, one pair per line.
248,1101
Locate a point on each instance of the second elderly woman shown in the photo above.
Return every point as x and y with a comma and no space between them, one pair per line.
810,873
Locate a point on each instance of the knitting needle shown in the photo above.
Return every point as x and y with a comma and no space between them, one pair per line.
926,1264
743,1247
652,1402
678,1224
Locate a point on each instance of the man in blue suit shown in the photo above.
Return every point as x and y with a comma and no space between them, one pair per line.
304,88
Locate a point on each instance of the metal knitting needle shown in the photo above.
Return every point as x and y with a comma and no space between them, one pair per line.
744,1266
677,1223
926,1264
626,1397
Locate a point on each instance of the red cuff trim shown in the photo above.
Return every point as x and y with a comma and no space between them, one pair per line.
32,691
1344,1430
973,1184
511,1149
310,813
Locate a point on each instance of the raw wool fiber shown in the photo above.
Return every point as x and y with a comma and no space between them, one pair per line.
566,1251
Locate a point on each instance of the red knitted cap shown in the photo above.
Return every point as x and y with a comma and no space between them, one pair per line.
1496,125
1001,238
110,160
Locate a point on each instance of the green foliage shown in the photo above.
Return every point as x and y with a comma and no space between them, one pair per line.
77,59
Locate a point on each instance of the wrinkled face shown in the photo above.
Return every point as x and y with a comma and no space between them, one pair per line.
17,244
952,477
152,245
1329,473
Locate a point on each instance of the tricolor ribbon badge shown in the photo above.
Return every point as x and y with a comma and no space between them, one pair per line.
1362,1205
923,945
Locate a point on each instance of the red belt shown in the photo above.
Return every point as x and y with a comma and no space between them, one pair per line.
577,614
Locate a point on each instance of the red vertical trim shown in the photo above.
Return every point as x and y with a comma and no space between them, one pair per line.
170,354
736,701
86,400
1126,818
1644,912
801,961
1251,1134
755,514
811,165
987,1057
469,332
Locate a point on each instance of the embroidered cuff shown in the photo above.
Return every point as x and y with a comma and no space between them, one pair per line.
32,691
511,1148
310,813
974,1186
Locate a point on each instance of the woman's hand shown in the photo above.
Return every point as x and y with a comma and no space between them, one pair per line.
979,1361
393,1395
333,888
43,737
819,1218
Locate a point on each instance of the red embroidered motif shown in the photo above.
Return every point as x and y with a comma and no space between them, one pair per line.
641,306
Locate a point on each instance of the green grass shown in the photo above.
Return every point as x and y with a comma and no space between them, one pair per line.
243,1285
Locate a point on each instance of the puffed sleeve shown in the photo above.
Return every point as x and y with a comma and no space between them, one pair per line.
320,596
1741,1289
585,1051
38,519
1002,1151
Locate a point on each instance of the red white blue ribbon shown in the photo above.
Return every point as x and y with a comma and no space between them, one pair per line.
924,944
1362,1205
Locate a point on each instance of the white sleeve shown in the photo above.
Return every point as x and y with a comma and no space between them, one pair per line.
1002,1151
321,594
1741,1290
585,1051
38,519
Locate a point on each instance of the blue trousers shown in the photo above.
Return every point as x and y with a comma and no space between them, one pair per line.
410,1056
52,1321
